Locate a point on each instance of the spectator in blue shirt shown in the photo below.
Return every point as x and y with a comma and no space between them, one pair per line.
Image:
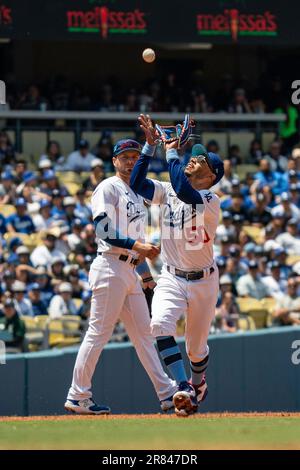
34,294
43,280
58,210
273,179
82,210
20,222
2,224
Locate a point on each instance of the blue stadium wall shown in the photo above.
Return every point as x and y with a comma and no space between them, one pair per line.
248,372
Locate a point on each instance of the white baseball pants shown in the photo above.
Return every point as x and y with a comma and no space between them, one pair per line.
117,294
174,297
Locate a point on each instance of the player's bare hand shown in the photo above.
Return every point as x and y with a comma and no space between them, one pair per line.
148,127
171,145
146,249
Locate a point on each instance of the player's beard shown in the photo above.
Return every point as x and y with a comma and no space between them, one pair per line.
187,173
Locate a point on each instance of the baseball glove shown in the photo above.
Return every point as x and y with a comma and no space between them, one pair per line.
180,133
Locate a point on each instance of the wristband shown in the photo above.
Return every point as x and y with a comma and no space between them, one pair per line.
148,279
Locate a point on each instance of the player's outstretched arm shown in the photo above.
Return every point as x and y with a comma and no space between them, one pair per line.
138,180
179,181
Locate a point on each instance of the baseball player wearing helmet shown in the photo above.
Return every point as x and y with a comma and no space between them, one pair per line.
189,280
118,214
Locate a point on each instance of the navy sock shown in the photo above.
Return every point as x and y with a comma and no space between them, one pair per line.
198,369
171,355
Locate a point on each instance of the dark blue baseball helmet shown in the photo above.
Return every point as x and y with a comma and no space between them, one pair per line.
126,144
213,160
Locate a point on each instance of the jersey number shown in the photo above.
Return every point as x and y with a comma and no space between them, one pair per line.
196,235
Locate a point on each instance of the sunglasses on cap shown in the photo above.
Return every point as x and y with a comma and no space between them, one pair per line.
202,158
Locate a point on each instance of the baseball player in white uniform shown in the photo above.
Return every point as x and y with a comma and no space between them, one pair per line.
118,214
189,280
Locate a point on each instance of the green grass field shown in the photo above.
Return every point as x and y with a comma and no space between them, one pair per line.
155,432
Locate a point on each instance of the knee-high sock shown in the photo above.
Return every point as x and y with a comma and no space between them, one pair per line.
198,369
171,355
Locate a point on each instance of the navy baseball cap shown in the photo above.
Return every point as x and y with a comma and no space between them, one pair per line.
238,218
253,264
45,203
216,165
57,193
49,175
234,251
235,182
15,241
29,176
83,144
273,264
7,175
249,247
293,174
227,215
221,263
21,202
126,144
34,286
77,223
86,294
213,160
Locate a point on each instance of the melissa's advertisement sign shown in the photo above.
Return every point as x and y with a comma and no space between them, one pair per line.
105,21
232,22
251,22
5,15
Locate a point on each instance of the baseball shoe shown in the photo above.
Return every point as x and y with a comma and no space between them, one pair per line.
167,404
185,400
201,390
86,407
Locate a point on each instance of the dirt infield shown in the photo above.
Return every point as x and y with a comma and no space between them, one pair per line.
149,416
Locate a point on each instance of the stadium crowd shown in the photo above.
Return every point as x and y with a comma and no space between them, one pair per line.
47,239
170,93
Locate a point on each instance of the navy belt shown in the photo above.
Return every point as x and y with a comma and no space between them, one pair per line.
124,258
189,275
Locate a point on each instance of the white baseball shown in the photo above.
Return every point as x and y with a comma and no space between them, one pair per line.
149,55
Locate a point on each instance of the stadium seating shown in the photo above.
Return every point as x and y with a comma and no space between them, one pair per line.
255,233
243,140
64,331
266,139
92,137
246,323
35,334
245,168
72,187
292,259
68,177
7,209
34,144
258,310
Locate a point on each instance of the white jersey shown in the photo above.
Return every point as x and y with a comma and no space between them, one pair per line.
124,208
187,231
